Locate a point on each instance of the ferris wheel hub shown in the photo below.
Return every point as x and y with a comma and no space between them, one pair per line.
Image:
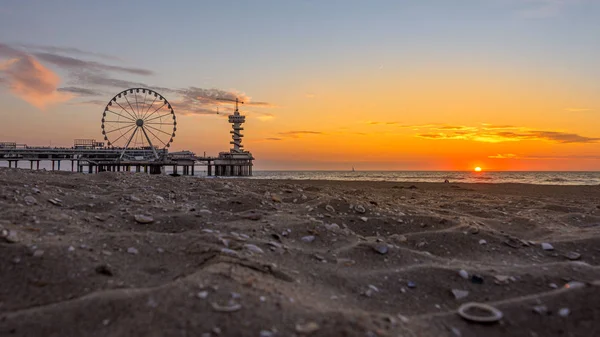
139,122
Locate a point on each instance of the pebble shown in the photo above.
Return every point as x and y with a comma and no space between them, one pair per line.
266,333
253,248
308,238
204,210
230,252
29,200
572,256
411,284
540,309
10,236
564,312
501,279
463,273
202,294
132,250
330,209
134,198
38,253
55,201
143,219
360,209
381,248
275,198
459,294
307,328
553,285
332,227
226,308
547,246
364,218
71,249
482,242
36,190
398,238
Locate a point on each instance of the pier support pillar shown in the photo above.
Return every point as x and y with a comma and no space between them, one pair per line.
72,162
59,165
193,169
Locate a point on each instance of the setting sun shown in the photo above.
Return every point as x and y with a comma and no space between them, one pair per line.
478,169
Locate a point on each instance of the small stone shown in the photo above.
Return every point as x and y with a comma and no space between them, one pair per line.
360,209
202,294
55,201
29,200
398,238
71,249
459,294
132,250
275,198
564,312
501,279
381,248
540,309
463,273
10,236
332,227
143,219
330,209
230,252
411,284
473,230
266,333
364,218
160,250
308,238
38,253
482,242
226,308
36,190
477,279
572,256
307,328
553,285
547,246
205,211
253,248
106,322
574,285
134,198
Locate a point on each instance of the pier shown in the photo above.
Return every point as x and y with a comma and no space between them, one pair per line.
138,141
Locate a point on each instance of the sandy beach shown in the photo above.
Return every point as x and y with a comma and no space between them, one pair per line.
125,254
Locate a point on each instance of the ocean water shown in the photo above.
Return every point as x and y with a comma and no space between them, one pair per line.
541,178
524,177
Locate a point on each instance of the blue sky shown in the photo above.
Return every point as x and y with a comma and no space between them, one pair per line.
282,52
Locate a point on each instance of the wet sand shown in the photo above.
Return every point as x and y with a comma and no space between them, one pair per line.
125,254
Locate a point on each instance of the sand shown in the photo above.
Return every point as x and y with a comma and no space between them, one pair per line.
125,254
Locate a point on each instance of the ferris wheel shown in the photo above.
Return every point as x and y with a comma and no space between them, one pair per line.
139,119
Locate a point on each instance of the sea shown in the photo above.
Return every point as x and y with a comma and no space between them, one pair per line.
495,177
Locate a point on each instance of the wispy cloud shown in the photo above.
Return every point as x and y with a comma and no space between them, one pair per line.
29,79
542,9
504,156
499,135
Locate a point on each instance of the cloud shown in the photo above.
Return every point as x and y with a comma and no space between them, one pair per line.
77,64
68,50
298,134
31,81
542,9
498,135
88,78
504,156
273,138
80,91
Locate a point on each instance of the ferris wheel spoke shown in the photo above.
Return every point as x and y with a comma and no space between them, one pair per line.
129,113
136,116
136,103
149,107
126,132
130,138
152,113
121,128
143,104
166,133
117,122
155,123
133,120
160,140
156,117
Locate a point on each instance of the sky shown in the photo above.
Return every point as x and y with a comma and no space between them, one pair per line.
327,85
